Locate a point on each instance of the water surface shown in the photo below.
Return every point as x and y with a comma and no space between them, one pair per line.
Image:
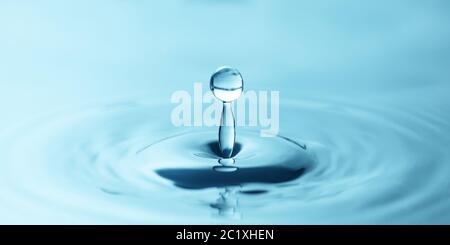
85,110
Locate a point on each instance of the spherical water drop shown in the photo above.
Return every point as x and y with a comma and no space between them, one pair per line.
227,84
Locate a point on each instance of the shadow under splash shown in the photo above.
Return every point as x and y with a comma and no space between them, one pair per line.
212,147
281,170
207,177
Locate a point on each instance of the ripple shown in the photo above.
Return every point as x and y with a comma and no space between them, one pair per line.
333,163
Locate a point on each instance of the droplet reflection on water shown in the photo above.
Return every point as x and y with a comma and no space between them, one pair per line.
286,163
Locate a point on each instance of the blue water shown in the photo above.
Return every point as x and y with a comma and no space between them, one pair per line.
86,137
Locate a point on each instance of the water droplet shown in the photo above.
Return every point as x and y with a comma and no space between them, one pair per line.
227,161
225,169
227,85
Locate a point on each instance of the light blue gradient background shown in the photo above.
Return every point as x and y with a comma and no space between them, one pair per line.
54,53
59,55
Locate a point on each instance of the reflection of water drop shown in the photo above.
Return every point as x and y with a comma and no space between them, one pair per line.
227,165
225,169
191,167
227,204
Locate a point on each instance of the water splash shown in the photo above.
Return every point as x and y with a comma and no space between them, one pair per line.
364,164
227,85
